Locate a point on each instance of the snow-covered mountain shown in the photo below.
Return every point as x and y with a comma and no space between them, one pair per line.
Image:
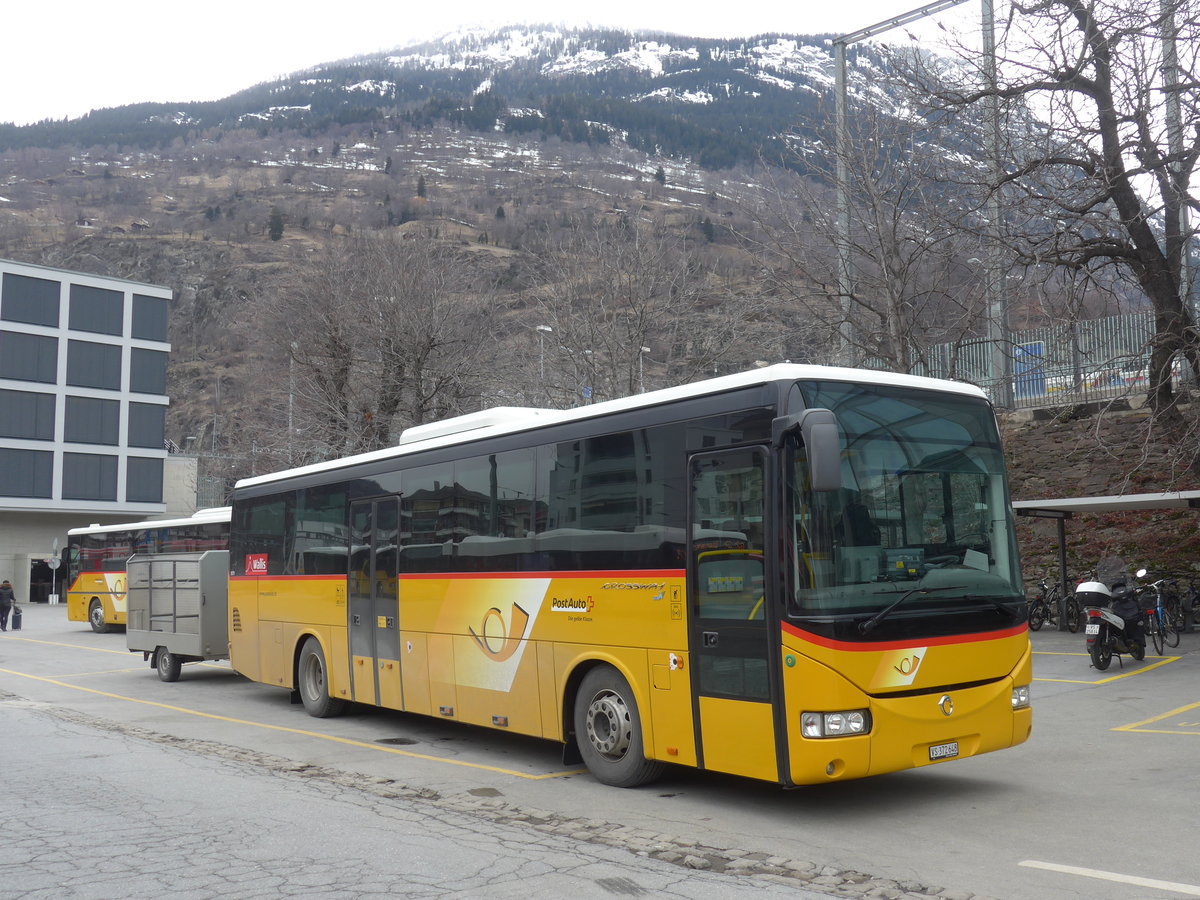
716,102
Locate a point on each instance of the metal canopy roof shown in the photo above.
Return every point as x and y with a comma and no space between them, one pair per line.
1069,506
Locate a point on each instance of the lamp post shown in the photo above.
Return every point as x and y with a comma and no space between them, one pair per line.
641,371
589,389
291,399
542,331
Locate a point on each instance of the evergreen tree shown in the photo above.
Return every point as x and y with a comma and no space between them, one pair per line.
421,186
275,225
337,148
706,227
660,176
499,212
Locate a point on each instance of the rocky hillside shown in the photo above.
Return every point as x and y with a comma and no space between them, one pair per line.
1099,455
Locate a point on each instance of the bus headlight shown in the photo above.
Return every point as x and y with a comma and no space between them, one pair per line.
1021,697
835,724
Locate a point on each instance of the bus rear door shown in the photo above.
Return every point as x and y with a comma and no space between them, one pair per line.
373,611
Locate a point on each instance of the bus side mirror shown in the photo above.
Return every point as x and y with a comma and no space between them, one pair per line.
818,429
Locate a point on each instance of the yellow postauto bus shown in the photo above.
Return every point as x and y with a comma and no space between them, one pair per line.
96,558
797,574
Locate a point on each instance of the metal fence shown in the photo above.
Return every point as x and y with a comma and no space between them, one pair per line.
1059,365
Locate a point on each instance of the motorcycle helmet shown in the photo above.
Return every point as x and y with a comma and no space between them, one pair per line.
1093,593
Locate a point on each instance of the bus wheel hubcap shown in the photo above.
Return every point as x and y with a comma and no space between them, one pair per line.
313,678
608,724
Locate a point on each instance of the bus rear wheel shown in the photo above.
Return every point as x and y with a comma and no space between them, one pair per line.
608,730
96,617
312,680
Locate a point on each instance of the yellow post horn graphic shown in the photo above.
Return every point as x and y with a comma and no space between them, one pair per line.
510,639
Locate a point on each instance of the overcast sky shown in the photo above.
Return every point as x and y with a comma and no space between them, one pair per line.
64,59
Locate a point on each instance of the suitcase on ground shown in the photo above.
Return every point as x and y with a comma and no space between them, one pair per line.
16,618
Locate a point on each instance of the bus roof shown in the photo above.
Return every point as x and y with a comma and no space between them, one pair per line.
212,514
509,420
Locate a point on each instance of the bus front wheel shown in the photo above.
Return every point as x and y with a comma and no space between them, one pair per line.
608,730
96,617
312,680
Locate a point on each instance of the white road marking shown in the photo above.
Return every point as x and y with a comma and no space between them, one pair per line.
1190,890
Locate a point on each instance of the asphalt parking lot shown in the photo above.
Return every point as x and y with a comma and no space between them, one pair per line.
1100,802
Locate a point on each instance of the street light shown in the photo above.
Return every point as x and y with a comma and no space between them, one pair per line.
641,372
542,331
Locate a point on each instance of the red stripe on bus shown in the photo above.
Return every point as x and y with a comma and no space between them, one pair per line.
289,577
871,647
634,575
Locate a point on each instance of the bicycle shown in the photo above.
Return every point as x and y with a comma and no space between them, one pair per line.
1163,623
1174,605
1189,604
1044,607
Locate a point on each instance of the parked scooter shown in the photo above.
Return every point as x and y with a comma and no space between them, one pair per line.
1114,621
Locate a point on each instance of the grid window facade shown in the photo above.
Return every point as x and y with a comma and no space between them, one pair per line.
26,473
33,301
28,357
150,317
94,365
97,310
144,479
89,476
27,415
83,391
147,425
148,371
91,420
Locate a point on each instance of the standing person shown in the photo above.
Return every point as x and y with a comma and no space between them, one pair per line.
7,600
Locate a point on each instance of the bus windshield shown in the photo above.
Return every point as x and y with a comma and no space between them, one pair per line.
922,512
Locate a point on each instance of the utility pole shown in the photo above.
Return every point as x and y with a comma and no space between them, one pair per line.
1000,366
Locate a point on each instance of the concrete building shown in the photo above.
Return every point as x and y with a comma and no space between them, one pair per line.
83,401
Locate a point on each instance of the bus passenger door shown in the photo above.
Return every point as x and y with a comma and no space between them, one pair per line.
730,618
373,607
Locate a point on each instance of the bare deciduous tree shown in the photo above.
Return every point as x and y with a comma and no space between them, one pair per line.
1101,176
909,243
615,286
381,332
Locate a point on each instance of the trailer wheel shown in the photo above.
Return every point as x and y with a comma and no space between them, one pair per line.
312,680
96,617
168,664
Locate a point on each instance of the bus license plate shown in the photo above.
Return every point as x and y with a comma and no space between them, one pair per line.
943,751
1091,628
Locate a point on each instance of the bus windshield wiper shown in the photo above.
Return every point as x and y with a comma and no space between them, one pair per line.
870,624
1007,605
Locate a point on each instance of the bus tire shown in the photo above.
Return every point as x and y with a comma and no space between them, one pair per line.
167,664
608,730
96,617
312,681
